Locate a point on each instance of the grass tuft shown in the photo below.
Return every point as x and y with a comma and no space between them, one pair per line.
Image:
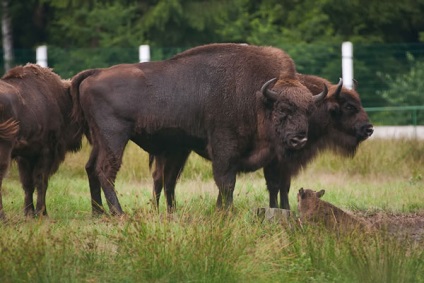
200,244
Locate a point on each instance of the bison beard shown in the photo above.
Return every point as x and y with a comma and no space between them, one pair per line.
338,124
217,99
35,129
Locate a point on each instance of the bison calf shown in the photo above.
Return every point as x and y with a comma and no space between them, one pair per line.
314,210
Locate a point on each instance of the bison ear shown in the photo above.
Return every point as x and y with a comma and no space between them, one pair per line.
320,193
301,192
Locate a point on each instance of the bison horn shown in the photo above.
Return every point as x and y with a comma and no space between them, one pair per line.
270,94
339,87
355,84
320,96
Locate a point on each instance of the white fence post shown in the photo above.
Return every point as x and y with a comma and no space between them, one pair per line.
144,53
347,64
41,55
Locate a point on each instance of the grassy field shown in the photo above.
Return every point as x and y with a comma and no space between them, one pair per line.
198,244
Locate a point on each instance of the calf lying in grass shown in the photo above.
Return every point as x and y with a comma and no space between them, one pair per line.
314,210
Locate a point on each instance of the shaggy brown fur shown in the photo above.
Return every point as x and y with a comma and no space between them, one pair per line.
36,129
339,124
9,129
314,210
241,105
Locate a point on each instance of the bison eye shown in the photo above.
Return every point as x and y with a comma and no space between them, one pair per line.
350,107
282,113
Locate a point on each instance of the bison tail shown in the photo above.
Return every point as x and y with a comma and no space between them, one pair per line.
77,113
9,129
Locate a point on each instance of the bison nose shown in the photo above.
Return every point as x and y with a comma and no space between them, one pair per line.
297,142
367,130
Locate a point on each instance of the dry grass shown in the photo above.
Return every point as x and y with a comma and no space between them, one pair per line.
198,244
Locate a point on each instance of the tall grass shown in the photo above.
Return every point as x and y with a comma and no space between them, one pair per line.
199,244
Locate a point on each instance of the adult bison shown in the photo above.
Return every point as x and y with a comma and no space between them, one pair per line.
36,129
338,124
243,105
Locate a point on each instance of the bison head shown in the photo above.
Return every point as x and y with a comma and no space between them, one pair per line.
291,107
304,194
307,199
348,123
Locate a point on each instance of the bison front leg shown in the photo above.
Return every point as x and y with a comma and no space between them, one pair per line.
277,181
173,167
42,184
168,168
158,176
225,179
284,194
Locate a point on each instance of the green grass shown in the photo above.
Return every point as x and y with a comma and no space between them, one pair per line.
199,244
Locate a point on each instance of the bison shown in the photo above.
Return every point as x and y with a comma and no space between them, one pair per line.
339,123
241,105
36,129
314,210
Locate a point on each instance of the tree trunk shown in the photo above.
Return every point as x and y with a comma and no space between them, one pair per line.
6,27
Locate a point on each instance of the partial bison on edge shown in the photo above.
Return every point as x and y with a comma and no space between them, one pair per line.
36,129
241,105
340,124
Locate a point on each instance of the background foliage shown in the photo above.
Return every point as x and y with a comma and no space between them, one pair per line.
388,36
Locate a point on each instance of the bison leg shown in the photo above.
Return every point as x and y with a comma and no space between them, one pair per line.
42,183
26,172
111,145
2,216
5,152
2,173
174,165
284,194
277,181
225,179
168,168
94,183
107,175
158,178
43,169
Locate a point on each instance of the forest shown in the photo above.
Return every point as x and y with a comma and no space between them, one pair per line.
388,36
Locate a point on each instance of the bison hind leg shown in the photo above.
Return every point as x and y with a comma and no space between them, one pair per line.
26,173
94,183
108,160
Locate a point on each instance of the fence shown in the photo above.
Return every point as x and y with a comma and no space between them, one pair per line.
372,64
401,115
404,121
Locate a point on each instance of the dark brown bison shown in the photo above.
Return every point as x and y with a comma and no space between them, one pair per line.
339,124
242,105
36,129
312,209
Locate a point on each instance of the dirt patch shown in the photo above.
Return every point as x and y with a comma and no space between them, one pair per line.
405,226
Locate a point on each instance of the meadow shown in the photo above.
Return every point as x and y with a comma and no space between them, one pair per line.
383,182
